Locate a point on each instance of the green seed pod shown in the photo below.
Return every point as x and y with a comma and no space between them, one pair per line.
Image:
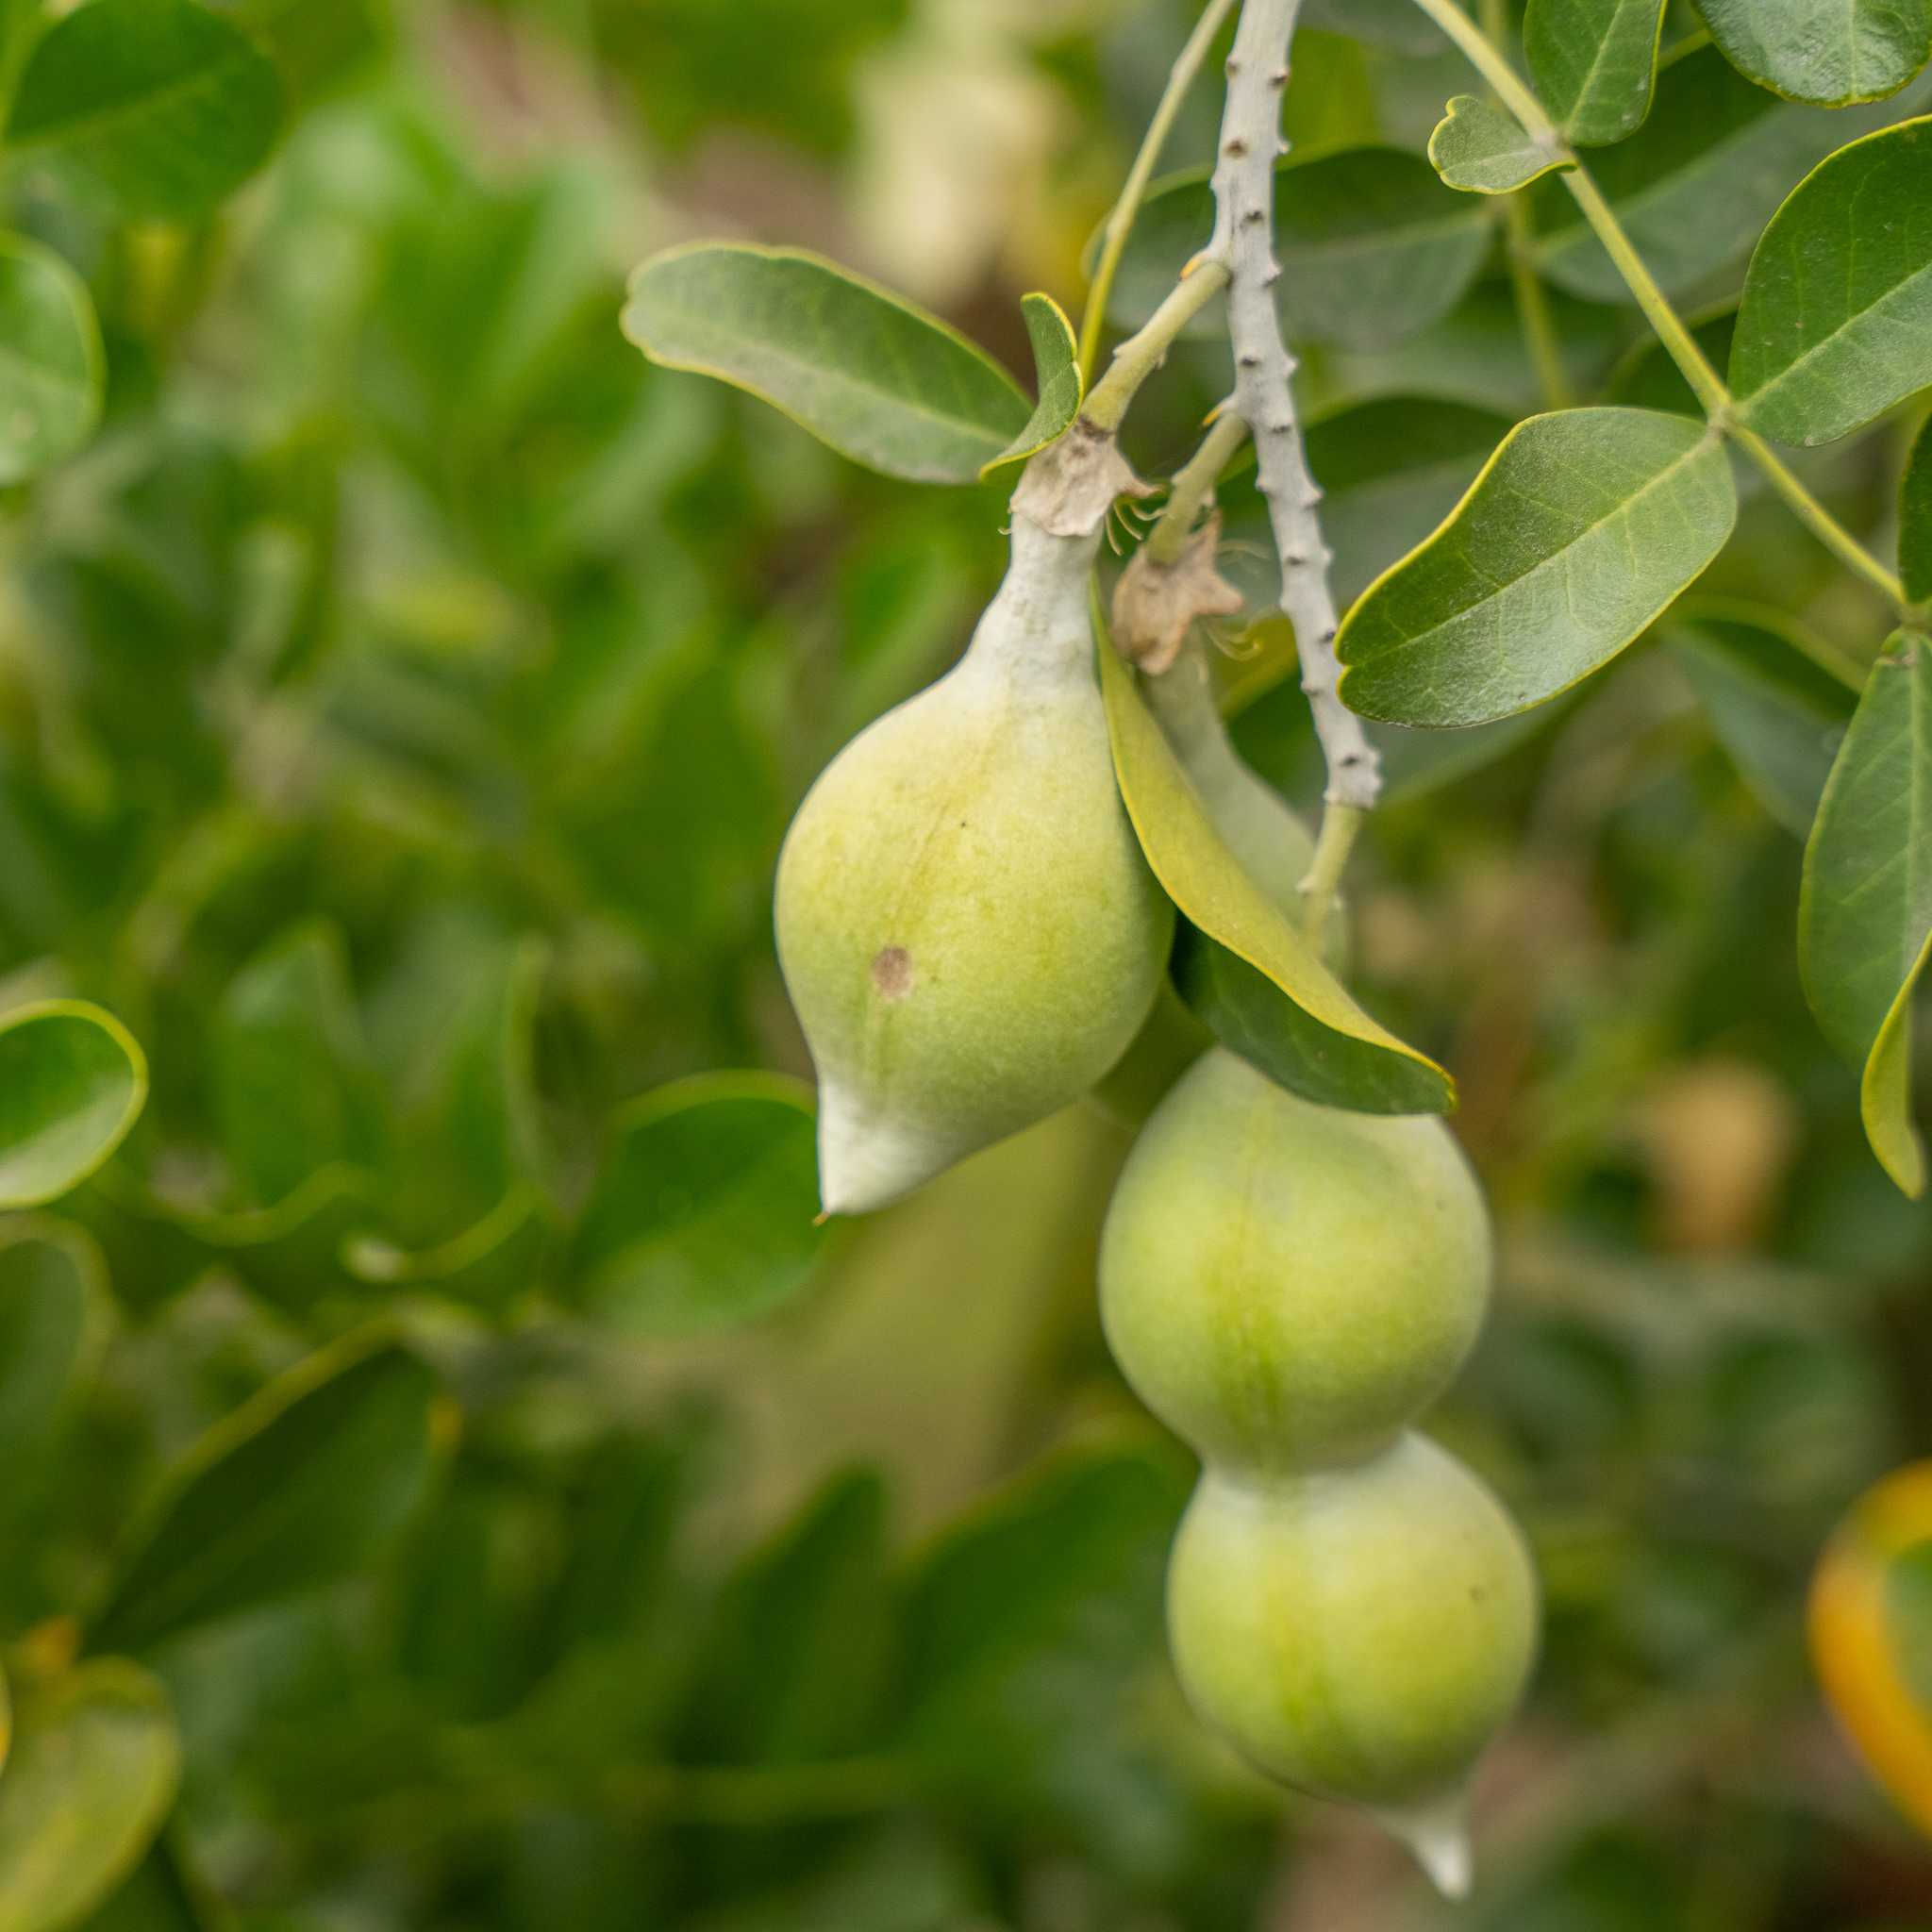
1358,1632
1287,1283
966,925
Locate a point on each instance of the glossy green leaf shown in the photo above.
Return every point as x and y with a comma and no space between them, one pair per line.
52,368
301,1486
289,1072
881,382
1480,149
1865,914
1594,63
1580,530
53,1313
157,106
1777,711
1056,377
1373,246
1695,185
72,1083
1915,520
1828,52
1336,1053
92,1775
1836,325
704,1214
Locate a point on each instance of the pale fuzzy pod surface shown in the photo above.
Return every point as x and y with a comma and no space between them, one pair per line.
1360,1631
966,926
1283,1283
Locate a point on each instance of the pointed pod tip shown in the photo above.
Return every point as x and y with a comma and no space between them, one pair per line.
1437,1833
865,1161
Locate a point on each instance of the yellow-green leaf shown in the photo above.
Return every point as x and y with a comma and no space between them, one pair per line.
1327,1048
92,1775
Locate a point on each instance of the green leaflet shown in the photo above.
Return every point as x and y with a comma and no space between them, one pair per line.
72,1083
1915,520
878,379
157,107
299,1486
1058,381
1836,325
1321,1042
52,366
704,1214
1477,148
1865,912
1828,52
1594,63
91,1776
1579,531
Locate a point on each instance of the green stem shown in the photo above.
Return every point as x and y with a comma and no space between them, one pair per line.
1194,483
1333,845
1681,346
1120,221
1532,299
1141,355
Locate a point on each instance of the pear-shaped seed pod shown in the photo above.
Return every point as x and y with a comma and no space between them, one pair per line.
967,927
1357,1632
1285,1283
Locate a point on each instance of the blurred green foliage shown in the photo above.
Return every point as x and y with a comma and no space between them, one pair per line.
500,1513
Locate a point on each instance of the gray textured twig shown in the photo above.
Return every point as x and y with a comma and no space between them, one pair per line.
1243,243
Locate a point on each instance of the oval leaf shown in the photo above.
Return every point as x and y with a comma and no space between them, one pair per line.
1836,325
1056,372
1779,714
1915,520
881,382
299,1487
1322,1044
290,1082
96,1763
1580,530
1480,149
707,1212
72,1082
51,363
159,108
1694,188
1373,246
1865,910
1828,52
1594,62
54,1310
